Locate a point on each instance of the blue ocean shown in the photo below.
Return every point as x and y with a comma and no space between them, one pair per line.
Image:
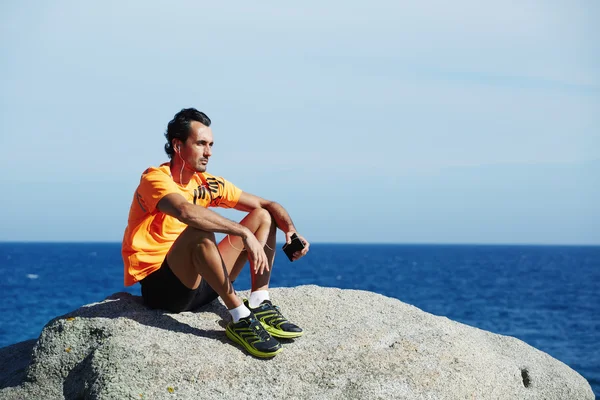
547,296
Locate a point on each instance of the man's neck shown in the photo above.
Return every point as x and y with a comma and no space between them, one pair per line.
180,173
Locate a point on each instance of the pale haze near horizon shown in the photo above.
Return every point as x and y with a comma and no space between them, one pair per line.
395,122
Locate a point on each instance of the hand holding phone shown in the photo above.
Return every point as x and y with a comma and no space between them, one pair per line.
290,248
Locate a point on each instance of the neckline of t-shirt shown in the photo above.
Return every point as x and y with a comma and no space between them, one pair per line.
199,175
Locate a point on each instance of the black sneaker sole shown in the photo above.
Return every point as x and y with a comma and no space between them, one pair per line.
257,353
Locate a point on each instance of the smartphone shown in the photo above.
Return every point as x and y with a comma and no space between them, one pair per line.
296,245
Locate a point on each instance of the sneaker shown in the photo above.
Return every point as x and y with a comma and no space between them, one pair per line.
276,324
249,333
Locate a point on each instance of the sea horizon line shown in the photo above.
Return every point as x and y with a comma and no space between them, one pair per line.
457,244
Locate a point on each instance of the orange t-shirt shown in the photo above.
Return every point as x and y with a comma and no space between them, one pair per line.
150,233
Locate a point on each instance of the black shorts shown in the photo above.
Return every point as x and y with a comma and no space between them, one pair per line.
162,289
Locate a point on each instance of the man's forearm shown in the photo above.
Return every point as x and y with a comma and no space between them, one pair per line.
208,220
281,217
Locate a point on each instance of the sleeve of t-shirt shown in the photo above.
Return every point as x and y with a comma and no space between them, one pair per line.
154,185
227,194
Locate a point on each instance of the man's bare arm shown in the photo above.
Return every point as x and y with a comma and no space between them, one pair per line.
249,202
199,217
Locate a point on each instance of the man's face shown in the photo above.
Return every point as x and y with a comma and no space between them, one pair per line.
197,149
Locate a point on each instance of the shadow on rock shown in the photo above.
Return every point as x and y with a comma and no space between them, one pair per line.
126,305
77,382
14,361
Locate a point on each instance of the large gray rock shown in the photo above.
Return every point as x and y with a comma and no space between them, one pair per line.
357,345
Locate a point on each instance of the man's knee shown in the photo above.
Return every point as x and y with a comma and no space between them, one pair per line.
204,244
204,238
207,241
262,215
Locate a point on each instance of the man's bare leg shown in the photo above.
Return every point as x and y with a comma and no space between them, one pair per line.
261,223
195,256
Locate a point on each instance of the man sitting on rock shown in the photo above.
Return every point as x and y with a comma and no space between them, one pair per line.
169,244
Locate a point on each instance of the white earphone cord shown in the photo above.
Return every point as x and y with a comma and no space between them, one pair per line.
229,239
181,170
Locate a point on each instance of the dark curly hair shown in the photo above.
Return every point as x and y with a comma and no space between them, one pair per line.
179,127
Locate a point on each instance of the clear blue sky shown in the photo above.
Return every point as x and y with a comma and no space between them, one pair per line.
378,121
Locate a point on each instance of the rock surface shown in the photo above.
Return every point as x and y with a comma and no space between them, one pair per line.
357,345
